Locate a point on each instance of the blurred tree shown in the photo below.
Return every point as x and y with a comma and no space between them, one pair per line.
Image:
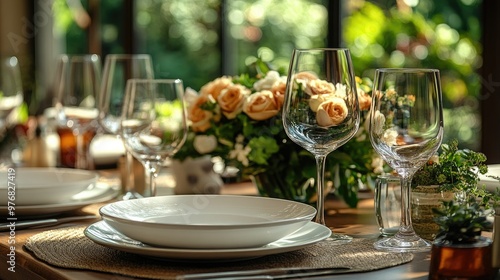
200,40
424,33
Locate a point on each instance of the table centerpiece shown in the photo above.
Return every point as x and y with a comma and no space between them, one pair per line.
238,118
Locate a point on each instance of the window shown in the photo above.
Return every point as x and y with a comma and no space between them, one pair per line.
200,40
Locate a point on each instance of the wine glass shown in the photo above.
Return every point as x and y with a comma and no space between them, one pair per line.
406,129
77,87
321,110
153,123
11,90
118,68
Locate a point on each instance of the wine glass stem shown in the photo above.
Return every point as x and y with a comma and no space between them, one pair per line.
80,160
320,204
151,170
129,165
405,226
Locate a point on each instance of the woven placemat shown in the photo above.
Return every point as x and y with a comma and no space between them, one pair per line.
70,248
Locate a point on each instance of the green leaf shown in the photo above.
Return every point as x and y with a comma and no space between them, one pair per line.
262,149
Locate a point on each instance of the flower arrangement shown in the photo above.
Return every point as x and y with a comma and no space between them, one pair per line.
239,119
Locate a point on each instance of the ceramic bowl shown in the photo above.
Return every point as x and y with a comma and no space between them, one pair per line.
207,221
38,186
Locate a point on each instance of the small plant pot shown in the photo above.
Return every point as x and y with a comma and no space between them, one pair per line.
462,261
423,200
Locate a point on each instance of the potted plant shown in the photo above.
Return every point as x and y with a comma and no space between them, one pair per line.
459,251
453,174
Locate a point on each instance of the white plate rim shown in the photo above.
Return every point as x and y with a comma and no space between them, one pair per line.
308,235
309,216
56,208
92,176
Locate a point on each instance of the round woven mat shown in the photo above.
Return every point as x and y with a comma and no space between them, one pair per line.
70,248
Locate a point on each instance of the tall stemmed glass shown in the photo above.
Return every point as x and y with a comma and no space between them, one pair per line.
406,129
11,90
118,68
321,110
79,79
153,124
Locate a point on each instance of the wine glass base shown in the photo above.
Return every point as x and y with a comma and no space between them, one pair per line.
338,239
131,195
397,244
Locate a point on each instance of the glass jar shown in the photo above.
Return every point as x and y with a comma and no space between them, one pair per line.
388,204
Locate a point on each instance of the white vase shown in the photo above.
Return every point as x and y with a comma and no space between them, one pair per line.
196,176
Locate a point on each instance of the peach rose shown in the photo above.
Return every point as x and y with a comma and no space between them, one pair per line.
278,90
316,100
319,87
200,119
331,112
365,100
261,105
305,76
231,100
215,87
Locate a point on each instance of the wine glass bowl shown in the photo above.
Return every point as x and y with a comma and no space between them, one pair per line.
118,69
406,129
153,123
77,87
321,110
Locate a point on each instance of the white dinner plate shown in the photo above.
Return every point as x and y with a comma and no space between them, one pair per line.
99,193
36,186
207,221
489,183
103,234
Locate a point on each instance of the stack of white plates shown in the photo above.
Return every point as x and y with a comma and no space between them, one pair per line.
207,226
42,191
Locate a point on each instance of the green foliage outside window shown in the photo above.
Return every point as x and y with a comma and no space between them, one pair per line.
432,34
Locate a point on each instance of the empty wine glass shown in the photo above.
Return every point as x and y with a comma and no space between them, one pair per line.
77,86
11,90
153,123
321,110
118,68
406,129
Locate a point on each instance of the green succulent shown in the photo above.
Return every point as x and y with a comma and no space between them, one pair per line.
461,223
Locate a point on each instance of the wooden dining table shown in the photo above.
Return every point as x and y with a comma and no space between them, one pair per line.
358,222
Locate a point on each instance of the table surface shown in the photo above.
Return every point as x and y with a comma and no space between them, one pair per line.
359,222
